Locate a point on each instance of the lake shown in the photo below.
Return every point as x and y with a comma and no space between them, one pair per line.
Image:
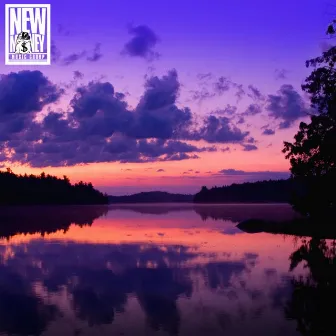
157,270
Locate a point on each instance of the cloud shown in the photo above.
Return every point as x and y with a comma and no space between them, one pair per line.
201,95
255,93
61,30
25,92
217,88
96,54
160,170
78,75
250,140
99,126
261,175
249,147
228,110
205,76
281,74
287,106
222,85
55,53
157,115
142,43
252,110
72,58
22,96
218,130
240,93
268,131
91,56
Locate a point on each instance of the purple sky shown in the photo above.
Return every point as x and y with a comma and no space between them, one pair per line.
211,91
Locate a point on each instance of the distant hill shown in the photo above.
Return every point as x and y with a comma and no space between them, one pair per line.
272,191
152,197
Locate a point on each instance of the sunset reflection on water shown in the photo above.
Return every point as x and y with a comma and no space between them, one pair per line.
160,270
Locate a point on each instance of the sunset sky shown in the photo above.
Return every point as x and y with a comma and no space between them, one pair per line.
163,95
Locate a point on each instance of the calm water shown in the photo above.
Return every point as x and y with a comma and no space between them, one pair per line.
149,270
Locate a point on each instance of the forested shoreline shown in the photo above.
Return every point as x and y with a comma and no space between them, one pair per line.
45,189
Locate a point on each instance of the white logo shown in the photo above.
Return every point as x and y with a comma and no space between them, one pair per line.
27,35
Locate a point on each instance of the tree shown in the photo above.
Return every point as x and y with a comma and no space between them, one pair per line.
313,153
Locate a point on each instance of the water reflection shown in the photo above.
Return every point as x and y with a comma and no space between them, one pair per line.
313,297
130,272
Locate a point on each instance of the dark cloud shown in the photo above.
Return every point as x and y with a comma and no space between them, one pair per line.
22,96
228,110
142,43
205,76
287,106
262,175
201,95
281,74
99,126
90,56
250,140
240,93
222,85
217,88
117,149
179,157
160,170
268,131
226,149
218,130
252,110
78,75
72,58
156,115
249,147
255,93
55,53
25,92
96,54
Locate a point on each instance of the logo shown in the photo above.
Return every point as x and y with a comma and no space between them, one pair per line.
27,35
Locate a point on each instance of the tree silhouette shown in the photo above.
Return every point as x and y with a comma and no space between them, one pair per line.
46,189
312,154
277,191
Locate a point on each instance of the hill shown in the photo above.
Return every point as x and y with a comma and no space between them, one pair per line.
152,197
